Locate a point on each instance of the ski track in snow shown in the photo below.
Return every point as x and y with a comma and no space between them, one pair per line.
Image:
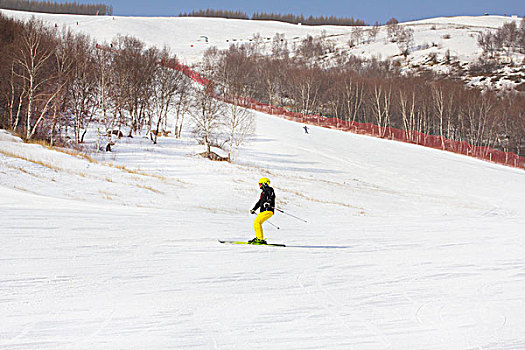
405,247
97,273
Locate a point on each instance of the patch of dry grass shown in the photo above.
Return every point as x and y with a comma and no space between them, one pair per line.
217,210
107,195
136,171
316,200
21,189
84,156
39,162
73,153
149,188
23,170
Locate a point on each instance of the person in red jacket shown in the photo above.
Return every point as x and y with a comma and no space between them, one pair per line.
266,206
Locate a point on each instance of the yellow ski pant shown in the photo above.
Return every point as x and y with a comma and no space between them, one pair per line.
257,224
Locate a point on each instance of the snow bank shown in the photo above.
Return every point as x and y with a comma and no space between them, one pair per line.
8,137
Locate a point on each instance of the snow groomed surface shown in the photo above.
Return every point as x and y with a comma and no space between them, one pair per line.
405,247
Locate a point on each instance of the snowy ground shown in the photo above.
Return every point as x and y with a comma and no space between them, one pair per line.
405,247
190,37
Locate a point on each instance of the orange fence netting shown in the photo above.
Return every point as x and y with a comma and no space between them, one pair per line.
415,137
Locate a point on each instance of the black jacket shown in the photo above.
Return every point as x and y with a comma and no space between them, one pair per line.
267,200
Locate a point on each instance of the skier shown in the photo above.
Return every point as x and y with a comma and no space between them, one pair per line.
266,206
305,129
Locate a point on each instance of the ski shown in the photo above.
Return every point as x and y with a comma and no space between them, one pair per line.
241,242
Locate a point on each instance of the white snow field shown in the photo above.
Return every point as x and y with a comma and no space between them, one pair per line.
405,247
190,37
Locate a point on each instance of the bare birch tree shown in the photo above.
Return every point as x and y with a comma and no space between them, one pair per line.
16,97
380,103
407,101
353,95
32,56
166,84
239,123
207,114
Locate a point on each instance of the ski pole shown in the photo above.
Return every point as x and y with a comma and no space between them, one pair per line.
293,216
277,227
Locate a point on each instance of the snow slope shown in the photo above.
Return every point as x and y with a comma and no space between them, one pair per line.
405,247
186,35
177,33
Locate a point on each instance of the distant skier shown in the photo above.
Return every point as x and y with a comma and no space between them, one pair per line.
266,206
305,129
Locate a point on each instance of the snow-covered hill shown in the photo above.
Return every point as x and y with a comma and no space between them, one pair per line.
435,39
405,247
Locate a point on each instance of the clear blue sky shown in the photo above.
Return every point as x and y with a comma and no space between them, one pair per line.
370,11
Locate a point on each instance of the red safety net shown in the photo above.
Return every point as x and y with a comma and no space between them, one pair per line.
433,141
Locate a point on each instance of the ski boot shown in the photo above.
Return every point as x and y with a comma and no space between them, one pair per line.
257,241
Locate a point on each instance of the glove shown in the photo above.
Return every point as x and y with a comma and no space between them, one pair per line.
252,211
